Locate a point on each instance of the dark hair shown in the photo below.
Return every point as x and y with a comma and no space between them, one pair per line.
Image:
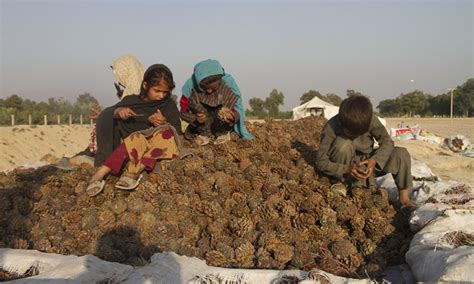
355,114
156,74
209,80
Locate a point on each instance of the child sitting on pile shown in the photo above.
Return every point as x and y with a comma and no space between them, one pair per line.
347,152
212,105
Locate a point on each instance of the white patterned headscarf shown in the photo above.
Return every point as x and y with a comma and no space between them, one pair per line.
129,73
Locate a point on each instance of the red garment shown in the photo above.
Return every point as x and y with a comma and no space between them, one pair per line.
183,103
120,156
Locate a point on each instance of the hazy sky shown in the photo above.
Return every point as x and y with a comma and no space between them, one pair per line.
64,48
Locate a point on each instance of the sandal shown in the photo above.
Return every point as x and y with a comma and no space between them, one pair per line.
339,188
95,187
127,182
222,139
202,140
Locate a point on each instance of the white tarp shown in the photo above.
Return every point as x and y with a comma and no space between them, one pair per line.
167,267
433,259
56,268
430,257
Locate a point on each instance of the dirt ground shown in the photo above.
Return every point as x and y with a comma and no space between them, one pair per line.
24,144
443,162
441,126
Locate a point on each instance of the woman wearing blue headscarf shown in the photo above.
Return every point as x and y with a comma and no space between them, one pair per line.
212,105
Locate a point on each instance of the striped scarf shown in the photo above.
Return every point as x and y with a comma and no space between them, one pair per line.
223,96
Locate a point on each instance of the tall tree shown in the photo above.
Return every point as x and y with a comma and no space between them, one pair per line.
333,99
309,95
272,103
350,93
257,108
83,104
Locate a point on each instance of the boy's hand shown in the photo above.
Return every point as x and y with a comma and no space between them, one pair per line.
201,117
369,165
157,119
124,113
354,171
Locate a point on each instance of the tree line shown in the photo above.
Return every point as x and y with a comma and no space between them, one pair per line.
270,106
409,104
423,104
22,108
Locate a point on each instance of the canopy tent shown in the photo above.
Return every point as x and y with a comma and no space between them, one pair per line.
318,107
315,107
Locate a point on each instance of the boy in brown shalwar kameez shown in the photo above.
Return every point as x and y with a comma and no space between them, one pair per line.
347,150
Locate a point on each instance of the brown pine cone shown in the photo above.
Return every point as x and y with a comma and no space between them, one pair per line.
226,115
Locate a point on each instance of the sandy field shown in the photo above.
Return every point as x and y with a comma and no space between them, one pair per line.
441,126
23,144
443,162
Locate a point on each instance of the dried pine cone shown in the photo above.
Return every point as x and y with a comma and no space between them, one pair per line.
257,182
215,258
209,208
226,115
106,220
283,254
244,254
268,240
287,208
303,221
343,249
242,226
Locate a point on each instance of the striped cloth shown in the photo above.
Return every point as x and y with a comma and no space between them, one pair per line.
222,97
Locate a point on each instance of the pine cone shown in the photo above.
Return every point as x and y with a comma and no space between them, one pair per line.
242,226
215,258
244,254
257,182
226,115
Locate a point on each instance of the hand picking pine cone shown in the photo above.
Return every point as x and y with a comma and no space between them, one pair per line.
154,116
157,118
226,115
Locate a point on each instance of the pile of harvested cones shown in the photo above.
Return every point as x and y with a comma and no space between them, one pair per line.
252,204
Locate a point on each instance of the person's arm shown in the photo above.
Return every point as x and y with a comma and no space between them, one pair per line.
323,163
185,113
173,118
121,109
386,146
236,115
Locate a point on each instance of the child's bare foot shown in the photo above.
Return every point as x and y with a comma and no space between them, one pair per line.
405,199
409,204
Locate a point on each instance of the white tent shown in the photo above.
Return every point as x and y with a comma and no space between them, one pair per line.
315,107
318,107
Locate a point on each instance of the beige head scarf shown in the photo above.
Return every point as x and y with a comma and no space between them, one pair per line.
129,73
